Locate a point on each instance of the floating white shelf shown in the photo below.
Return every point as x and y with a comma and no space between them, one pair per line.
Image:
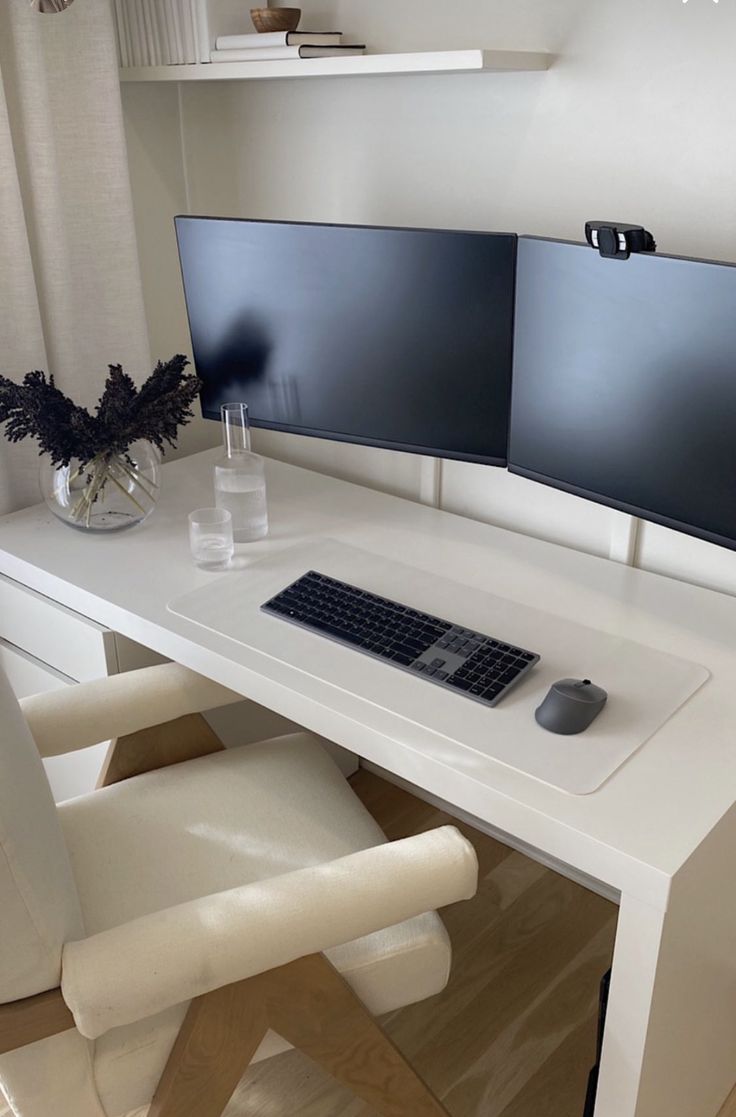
418,62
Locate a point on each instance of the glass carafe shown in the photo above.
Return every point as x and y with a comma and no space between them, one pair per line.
240,482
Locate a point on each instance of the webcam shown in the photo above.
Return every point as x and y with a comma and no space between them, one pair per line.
616,241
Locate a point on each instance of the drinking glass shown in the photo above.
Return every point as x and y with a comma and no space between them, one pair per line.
211,537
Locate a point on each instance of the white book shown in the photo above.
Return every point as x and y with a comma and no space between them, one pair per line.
177,25
190,41
127,31
278,39
137,33
155,53
149,19
120,28
169,7
202,29
139,29
162,32
193,19
272,54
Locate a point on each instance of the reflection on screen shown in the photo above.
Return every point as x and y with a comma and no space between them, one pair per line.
393,337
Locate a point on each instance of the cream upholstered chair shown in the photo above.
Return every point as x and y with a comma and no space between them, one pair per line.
160,933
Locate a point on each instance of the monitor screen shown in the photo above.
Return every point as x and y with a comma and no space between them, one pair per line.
625,383
391,337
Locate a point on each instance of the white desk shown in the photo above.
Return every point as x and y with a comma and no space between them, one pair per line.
662,830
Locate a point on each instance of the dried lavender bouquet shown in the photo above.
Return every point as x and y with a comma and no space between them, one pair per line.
100,443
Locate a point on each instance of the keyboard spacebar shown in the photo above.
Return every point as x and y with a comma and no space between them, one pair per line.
347,636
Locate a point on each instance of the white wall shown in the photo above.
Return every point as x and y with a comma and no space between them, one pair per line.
633,122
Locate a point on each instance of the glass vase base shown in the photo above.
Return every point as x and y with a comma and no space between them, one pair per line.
103,523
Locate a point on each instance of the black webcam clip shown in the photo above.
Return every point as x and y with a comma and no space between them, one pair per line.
616,241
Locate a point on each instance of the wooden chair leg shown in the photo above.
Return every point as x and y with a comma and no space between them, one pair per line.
219,1037
171,743
312,1006
309,1004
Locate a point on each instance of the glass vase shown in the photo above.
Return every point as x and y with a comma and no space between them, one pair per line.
111,492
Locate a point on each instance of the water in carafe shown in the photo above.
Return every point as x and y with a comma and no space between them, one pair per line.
240,481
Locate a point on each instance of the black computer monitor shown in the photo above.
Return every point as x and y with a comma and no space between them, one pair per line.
391,337
624,383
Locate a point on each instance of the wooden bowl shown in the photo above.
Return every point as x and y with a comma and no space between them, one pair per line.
275,19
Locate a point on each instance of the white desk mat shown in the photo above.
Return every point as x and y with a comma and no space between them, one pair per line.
645,687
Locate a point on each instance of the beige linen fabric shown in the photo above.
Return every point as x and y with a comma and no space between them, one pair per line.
153,963
70,292
73,718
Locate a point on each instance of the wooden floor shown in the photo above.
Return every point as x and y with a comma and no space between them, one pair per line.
514,1033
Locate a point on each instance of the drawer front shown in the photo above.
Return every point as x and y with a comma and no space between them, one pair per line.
27,675
75,773
67,641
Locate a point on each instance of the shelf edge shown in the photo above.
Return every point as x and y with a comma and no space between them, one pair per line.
416,62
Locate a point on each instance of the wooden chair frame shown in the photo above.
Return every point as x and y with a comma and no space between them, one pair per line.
306,1002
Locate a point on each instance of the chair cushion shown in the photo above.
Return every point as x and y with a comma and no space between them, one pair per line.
223,820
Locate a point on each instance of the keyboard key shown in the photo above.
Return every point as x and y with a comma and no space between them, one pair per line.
459,684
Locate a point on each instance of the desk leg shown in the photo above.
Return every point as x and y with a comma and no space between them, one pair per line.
638,937
670,1041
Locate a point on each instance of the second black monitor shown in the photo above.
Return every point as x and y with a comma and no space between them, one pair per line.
625,383
399,338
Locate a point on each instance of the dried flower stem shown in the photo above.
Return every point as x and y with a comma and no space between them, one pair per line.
101,470
136,477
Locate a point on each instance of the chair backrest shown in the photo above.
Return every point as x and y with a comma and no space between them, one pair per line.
39,906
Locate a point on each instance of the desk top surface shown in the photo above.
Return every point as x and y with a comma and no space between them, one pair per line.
635,832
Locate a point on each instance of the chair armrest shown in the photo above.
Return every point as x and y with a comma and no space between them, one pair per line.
149,964
77,716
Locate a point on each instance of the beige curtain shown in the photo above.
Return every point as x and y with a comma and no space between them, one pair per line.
70,293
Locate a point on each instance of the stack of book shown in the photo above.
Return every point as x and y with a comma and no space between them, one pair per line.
273,45
162,32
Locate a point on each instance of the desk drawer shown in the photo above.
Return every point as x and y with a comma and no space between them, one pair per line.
65,640
27,675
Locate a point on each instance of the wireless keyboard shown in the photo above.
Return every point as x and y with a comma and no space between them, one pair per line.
444,653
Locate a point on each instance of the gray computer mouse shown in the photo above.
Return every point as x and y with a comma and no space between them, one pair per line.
570,706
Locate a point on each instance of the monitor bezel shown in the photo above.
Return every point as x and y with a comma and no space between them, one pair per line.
341,436
621,506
